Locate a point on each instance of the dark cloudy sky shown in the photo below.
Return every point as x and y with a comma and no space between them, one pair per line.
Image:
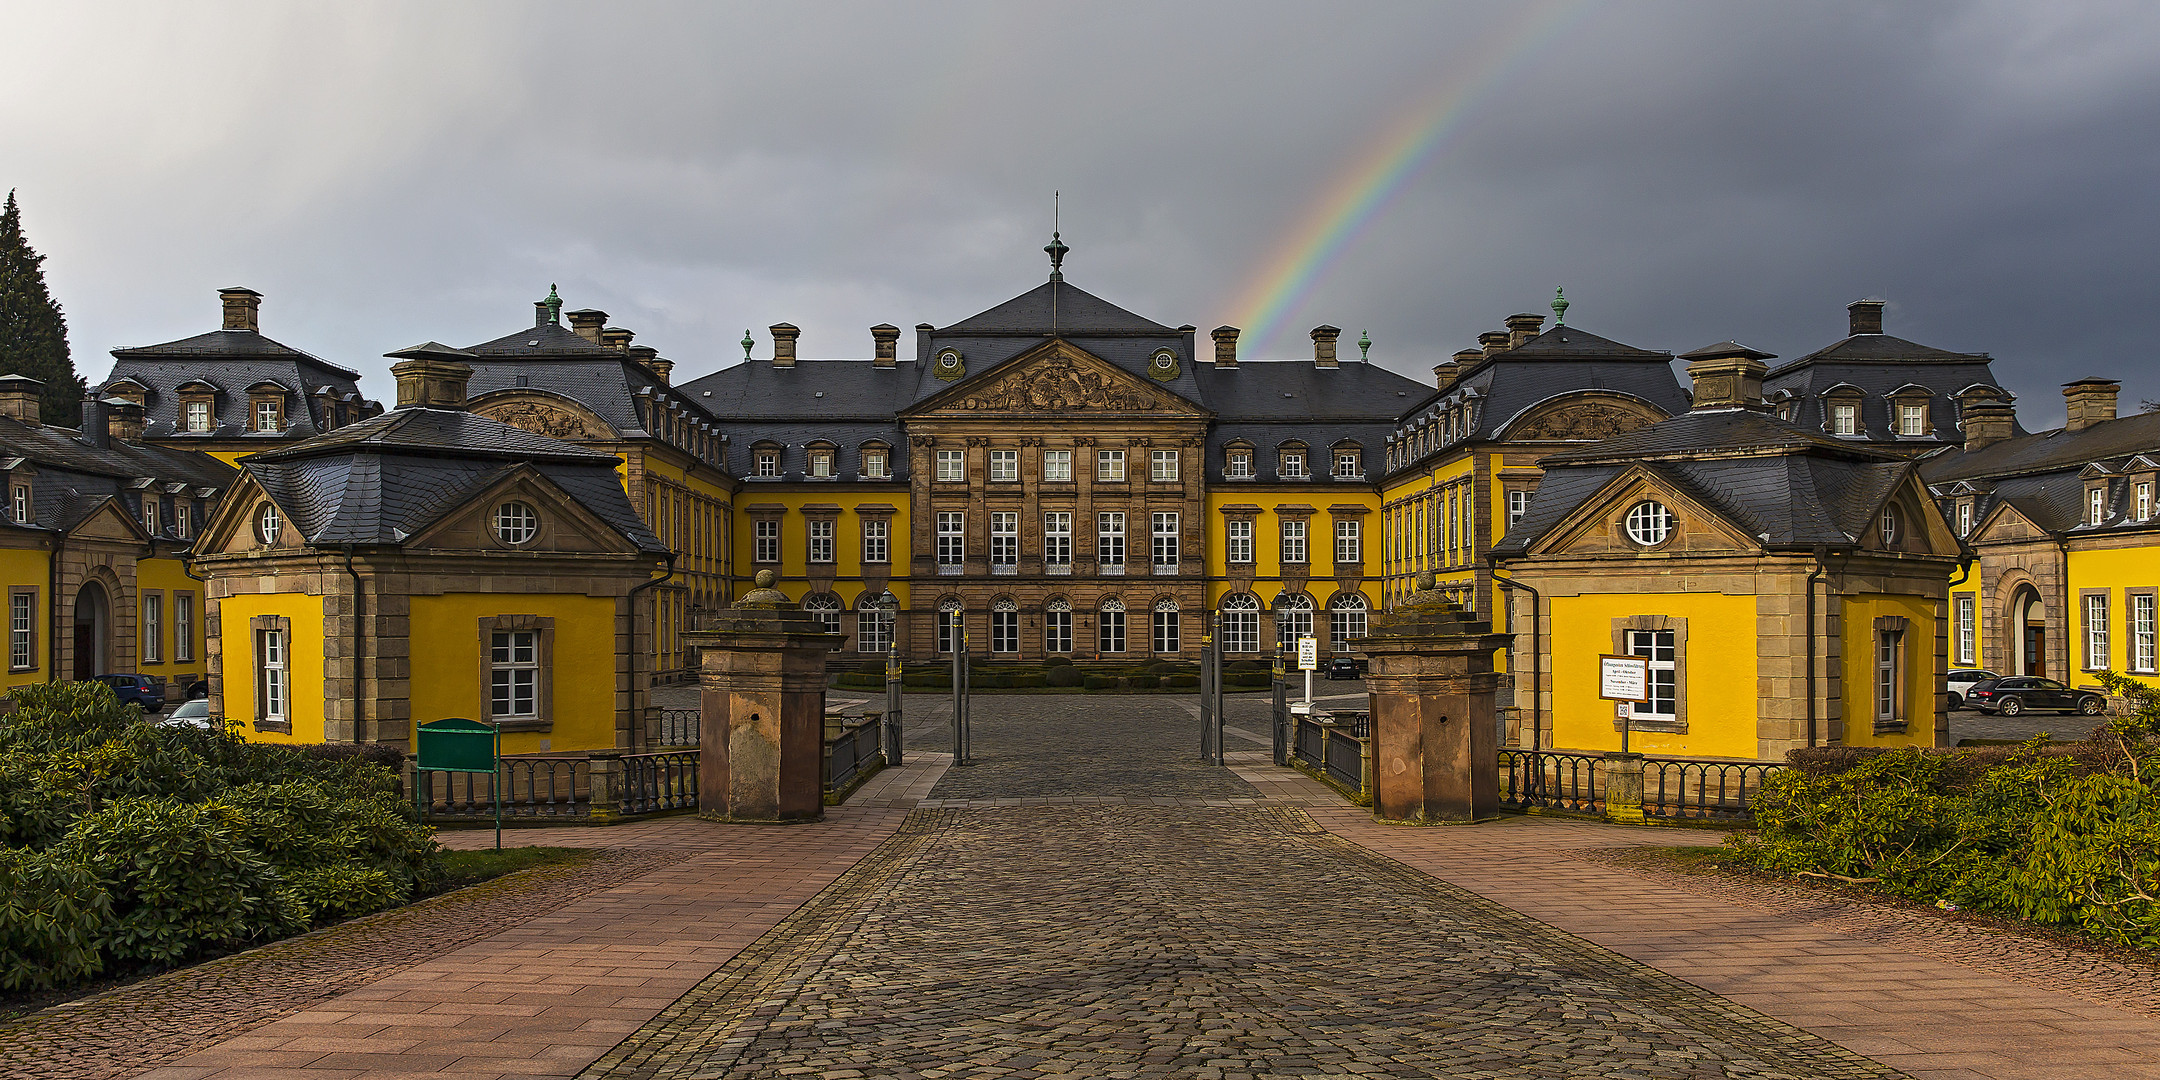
392,173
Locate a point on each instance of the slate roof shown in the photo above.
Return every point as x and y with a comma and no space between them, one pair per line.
988,339
232,361
556,359
74,477
2121,437
1877,365
1055,307
2040,474
385,479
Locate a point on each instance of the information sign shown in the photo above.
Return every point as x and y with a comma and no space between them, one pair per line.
1624,678
1308,654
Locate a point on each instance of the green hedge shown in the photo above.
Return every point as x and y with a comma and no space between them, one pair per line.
1248,678
1180,681
131,845
2060,835
1065,675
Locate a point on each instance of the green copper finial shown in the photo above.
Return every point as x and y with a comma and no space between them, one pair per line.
1559,307
554,306
1057,250
746,343
1364,345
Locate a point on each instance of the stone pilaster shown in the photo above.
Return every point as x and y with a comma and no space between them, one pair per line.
763,681
1432,692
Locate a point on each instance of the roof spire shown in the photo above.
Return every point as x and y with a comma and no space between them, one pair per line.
554,306
1056,247
1364,345
1559,307
747,342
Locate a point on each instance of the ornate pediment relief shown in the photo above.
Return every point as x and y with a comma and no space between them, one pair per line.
1583,419
554,419
1060,379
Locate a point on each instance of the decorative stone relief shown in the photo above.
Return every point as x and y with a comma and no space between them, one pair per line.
1590,420
1058,385
548,420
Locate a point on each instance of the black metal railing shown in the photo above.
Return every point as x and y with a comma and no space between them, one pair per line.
678,727
1345,758
1334,744
657,783
1706,790
853,749
1549,780
543,787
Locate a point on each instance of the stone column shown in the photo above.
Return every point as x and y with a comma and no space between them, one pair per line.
1432,690
762,673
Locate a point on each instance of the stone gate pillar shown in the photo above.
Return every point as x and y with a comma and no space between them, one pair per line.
1432,692
762,677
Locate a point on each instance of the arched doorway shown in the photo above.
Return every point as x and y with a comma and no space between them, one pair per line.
93,628
2028,630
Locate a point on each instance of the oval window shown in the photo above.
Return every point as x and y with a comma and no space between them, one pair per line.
516,523
1889,525
1649,523
267,525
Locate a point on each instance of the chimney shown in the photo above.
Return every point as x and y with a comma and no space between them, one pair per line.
433,376
93,421
617,338
1522,328
1865,316
1989,421
1323,345
648,358
19,398
1493,342
1225,346
586,323
241,306
2091,401
885,345
783,344
1728,375
123,420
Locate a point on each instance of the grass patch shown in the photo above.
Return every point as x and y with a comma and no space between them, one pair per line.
462,868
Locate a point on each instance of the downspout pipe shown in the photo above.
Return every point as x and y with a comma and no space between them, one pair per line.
359,649
52,608
1537,653
637,722
1822,567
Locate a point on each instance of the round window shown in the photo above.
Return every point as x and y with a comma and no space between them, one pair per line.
1649,523
516,523
1889,525
267,524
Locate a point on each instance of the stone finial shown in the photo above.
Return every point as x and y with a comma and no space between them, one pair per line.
764,595
1426,595
1559,306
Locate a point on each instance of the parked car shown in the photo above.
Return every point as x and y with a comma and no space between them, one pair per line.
1344,667
193,713
2018,693
200,688
1961,684
141,691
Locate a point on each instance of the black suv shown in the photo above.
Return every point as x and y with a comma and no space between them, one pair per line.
141,691
1345,667
2014,694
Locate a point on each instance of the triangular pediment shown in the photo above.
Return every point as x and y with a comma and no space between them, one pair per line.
108,522
236,526
1055,378
2004,522
1597,526
562,523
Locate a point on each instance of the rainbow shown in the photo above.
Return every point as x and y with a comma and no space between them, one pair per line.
1359,193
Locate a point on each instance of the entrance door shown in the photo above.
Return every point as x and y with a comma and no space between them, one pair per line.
92,623
2036,650
85,645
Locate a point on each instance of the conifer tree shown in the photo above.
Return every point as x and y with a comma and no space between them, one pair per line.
33,332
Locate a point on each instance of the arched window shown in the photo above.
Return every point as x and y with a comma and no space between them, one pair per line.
1241,623
874,622
1004,625
1346,620
825,607
1649,523
1167,638
1110,626
1057,626
948,626
1293,618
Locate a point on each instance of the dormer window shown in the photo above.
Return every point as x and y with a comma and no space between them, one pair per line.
150,514
2095,505
1889,526
1964,512
767,461
1845,418
1349,464
2144,500
1912,418
19,503
267,525
821,463
1291,466
269,415
876,463
195,416
1237,465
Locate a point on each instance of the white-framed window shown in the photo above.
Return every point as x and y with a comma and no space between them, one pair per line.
821,463
1968,636
821,541
1057,466
2095,505
825,608
1238,541
1912,418
1889,525
197,415
1163,534
182,519
267,416
1293,541
183,604
516,523
877,541
22,630
1844,418
514,675
1110,626
1661,648
1887,650
1518,504
768,463
1004,542
1163,466
2096,631
1004,466
2144,500
2143,631
1237,465
1057,542
949,630
150,515
1292,465
1241,623
1649,523
1167,635
952,466
765,540
1293,618
1109,466
951,542
876,463
267,525
1965,518
153,628
873,625
1004,626
1057,626
1110,542
273,690
1347,465
1346,621
19,503
1349,545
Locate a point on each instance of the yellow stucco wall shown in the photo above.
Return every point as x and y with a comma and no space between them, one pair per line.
168,577
31,567
306,671
1718,681
1858,667
446,661
1319,543
2115,570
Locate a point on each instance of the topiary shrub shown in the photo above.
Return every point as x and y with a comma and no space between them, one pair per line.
1180,681
1144,682
1057,662
1063,675
1100,682
1247,678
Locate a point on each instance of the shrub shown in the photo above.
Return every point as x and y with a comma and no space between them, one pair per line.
1058,662
1063,675
51,911
1247,678
860,681
1100,682
1181,681
1144,682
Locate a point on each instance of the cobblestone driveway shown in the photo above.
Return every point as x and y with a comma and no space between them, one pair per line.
1133,940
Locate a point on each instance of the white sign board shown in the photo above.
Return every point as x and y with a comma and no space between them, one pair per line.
1308,654
1624,678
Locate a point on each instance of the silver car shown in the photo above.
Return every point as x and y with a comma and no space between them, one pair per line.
1961,683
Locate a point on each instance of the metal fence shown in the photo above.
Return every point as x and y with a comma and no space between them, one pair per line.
853,749
678,727
1548,780
540,787
1336,745
1673,788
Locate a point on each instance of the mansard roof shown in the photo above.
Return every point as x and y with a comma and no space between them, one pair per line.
1055,308
233,360
2049,451
74,477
